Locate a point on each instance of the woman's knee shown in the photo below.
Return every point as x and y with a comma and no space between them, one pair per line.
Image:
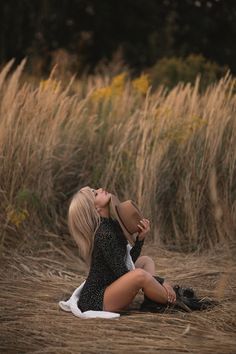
147,259
146,263
141,276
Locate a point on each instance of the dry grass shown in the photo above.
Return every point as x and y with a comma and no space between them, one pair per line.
172,152
32,322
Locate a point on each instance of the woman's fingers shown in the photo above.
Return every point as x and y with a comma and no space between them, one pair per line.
144,228
172,299
145,221
144,224
171,296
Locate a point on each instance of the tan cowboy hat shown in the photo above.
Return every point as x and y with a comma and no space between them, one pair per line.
128,215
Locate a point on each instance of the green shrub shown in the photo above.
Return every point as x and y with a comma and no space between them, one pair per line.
170,71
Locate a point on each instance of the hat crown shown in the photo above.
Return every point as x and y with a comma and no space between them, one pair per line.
127,214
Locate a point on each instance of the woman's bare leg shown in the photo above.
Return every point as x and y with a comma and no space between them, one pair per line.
121,293
146,263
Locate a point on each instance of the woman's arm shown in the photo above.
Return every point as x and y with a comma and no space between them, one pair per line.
136,249
144,228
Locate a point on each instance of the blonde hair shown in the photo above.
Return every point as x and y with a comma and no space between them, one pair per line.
83,221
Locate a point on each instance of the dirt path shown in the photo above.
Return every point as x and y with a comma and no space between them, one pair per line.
32,322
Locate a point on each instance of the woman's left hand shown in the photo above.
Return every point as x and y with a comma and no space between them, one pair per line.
144,227
171,295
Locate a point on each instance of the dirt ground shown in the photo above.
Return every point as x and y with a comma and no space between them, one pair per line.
34,281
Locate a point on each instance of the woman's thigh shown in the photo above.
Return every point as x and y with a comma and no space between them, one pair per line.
121,292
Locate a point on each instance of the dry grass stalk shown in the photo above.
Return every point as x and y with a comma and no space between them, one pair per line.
159,150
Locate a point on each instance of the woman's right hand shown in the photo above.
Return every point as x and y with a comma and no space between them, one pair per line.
144,227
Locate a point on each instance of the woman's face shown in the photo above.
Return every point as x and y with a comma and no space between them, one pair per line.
102,197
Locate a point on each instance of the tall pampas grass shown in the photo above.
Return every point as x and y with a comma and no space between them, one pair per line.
173,152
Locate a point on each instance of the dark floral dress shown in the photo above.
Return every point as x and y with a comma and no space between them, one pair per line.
107,264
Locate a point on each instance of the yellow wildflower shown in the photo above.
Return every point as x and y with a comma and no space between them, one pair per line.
141,84
16,216
102,93
118,83
197,122
115,89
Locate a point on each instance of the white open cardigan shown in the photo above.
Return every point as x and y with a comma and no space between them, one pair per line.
71,304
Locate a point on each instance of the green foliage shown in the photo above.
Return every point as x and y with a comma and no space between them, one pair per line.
170,71
26,197
78,35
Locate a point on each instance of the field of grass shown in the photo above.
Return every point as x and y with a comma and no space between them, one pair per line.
172,151
32,322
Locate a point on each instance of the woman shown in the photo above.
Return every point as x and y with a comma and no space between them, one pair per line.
110,286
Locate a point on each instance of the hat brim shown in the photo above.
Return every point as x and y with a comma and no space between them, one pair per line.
114,211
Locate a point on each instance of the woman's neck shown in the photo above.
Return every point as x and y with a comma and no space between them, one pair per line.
105,213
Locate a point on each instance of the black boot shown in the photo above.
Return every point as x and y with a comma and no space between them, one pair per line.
187,300
149,305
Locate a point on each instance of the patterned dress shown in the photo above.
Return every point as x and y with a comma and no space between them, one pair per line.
107,264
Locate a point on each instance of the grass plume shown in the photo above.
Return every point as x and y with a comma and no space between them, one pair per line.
172,152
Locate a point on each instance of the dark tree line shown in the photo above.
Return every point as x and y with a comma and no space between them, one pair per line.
144,30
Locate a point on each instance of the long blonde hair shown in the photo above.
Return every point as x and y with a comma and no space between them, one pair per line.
83,221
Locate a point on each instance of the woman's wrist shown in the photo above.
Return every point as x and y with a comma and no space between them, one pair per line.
138,239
